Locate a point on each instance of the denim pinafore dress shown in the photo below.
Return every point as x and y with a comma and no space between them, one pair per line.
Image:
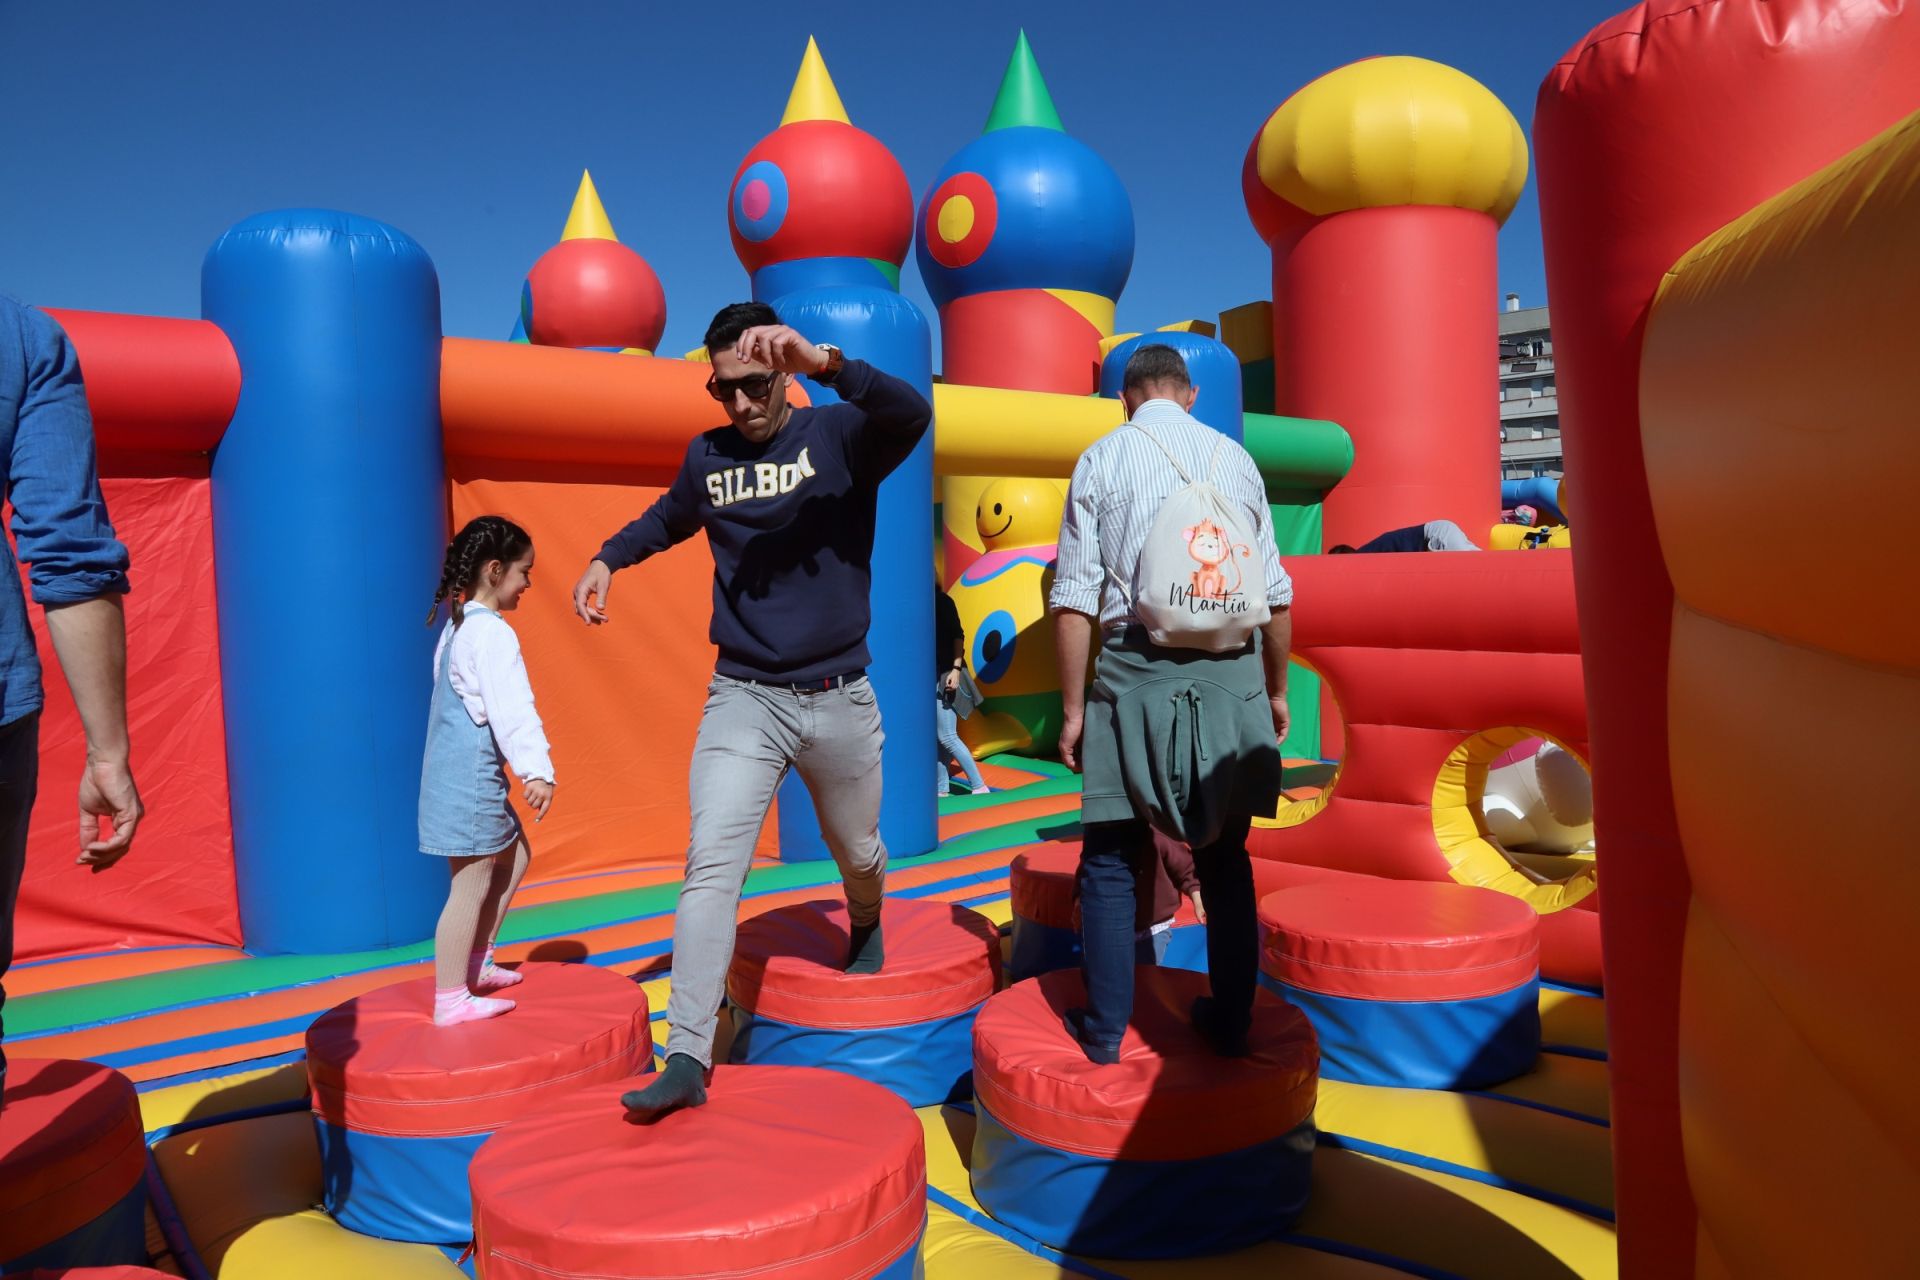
464,810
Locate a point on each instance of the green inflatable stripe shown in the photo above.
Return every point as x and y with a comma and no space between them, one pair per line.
133,997
1298,453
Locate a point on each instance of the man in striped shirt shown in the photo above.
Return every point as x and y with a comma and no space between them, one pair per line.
1117,490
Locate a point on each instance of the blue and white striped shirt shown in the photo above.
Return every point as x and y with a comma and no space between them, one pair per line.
1118,486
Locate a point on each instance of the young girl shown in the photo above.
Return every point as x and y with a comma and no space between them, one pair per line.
481,722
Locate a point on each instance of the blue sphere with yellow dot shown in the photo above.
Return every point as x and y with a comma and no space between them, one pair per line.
1025,208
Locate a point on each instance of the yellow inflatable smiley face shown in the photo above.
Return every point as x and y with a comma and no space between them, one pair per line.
1019,513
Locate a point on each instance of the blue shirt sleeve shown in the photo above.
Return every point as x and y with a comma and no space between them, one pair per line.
674,517
59,516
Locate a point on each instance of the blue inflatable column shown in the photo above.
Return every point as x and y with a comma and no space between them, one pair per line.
329,525
887,331
1211,365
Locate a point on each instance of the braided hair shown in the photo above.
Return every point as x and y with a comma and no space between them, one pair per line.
483,539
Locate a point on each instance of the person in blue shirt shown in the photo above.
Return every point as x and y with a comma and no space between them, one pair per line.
78,574
787,498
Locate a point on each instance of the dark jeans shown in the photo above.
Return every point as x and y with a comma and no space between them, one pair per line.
1117,856
19,775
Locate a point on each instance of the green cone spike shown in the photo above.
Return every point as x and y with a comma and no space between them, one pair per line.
1023,98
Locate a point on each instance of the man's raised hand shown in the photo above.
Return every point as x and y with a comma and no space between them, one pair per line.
780,348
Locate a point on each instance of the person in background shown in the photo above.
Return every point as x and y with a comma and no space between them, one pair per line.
79,574
1118,489
950,647
1434,535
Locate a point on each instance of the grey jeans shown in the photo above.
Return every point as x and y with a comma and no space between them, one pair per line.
750,734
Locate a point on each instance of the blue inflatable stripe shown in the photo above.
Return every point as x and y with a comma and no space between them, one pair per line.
222,1071
398,1188
1143,1209
1534,1105
1361,1146
1572,988
206,1040
118,1237
1422,1044
974,1218
1361,1253
287,1107
1575,1051
166,1216
924,1062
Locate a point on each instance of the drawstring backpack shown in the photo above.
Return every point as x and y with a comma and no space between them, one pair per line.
1198,583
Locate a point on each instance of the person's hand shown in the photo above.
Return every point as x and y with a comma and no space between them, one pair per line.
539,797
596,582
1282,717
780,349
951,680
1071,728
107,791
1199,907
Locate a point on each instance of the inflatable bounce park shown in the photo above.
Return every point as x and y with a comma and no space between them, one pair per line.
1577,916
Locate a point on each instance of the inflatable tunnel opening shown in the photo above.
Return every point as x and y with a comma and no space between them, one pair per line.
1513,810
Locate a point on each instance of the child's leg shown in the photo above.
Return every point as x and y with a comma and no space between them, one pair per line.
453,944
509,867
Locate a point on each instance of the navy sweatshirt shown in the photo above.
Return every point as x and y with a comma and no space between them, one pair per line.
790,523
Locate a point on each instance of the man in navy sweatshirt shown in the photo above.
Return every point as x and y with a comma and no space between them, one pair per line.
787,499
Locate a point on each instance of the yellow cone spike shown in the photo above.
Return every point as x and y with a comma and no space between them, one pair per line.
813,96
588,219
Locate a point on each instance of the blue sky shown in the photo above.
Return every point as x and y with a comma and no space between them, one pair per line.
137,132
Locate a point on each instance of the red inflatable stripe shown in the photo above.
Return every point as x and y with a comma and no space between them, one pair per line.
377,1063
793,1172
1169,1098
788,965
1399,940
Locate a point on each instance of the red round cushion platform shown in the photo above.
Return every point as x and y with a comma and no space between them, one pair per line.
786,1171
1169,1098
377,1063
1040,886
1399,940
71,1147
789,965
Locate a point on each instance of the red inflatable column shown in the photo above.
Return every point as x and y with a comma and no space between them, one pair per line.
1660,127
1380,188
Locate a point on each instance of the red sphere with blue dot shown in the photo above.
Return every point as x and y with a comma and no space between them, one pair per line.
819,189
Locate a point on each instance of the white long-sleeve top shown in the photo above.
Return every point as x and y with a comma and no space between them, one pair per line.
491,679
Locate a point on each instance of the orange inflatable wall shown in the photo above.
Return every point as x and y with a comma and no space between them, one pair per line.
1794,991
621,701
1660,127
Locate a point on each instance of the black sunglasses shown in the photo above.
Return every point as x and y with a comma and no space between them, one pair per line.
756,385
